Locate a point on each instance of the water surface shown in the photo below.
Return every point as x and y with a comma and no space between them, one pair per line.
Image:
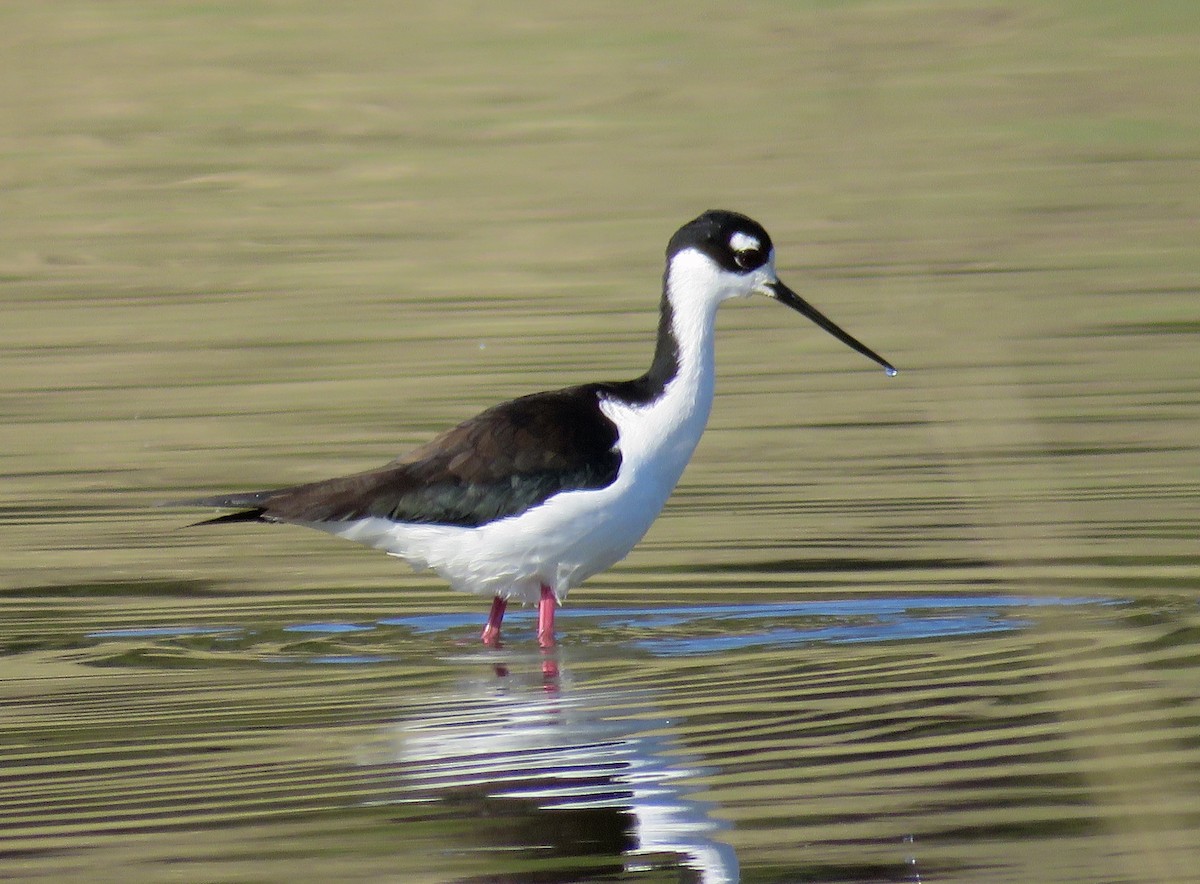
938,627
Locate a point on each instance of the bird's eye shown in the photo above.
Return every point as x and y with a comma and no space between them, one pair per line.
749,259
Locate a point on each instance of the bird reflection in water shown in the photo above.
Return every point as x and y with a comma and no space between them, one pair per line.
584,781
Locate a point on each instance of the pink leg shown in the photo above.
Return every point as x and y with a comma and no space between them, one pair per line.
546,617
491,632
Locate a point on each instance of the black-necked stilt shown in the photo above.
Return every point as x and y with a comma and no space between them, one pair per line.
533,496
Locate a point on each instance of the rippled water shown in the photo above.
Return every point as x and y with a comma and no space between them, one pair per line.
941,627
915,737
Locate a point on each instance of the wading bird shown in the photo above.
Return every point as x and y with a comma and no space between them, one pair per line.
535,495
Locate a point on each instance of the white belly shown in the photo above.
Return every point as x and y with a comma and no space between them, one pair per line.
559,544
573,535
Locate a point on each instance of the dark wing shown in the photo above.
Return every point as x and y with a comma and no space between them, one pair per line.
500,463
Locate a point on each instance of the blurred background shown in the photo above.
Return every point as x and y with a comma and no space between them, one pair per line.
935,627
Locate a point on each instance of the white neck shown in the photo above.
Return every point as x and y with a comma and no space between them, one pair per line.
694,291
659,436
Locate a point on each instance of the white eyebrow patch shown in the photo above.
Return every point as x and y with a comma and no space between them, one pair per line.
741,242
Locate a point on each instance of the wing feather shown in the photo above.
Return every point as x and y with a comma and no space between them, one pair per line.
497,464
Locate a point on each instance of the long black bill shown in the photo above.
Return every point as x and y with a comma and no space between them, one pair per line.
785,295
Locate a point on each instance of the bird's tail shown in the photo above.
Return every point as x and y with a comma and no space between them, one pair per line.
252,507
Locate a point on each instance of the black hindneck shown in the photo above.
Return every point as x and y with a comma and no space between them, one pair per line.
663,368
